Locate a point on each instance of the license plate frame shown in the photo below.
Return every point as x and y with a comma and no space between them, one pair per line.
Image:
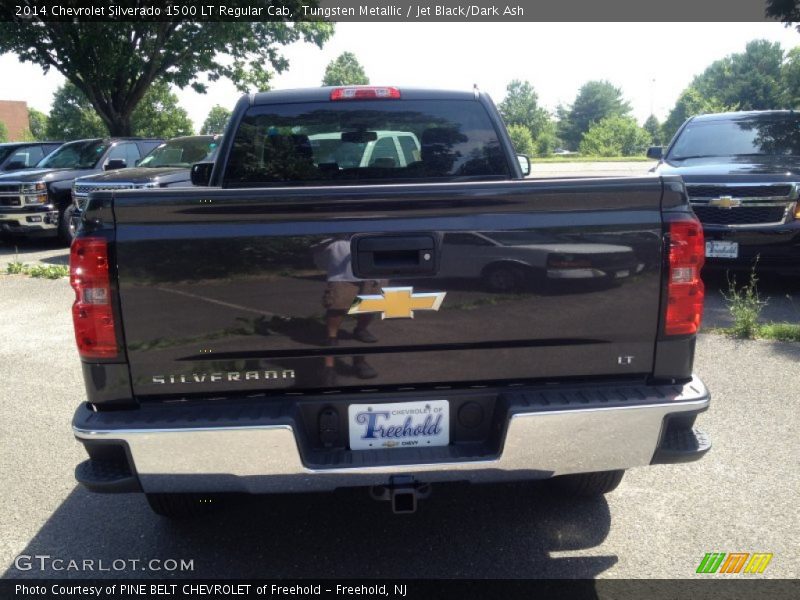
380,425
722,249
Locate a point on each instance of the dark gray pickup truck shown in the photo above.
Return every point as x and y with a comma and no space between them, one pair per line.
368,292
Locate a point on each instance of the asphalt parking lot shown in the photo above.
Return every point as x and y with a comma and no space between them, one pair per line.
659,523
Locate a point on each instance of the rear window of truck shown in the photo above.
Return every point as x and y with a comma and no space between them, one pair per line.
365,141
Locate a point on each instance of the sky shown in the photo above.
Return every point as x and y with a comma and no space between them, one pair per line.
651,62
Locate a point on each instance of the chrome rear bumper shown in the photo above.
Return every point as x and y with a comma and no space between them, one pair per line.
544,437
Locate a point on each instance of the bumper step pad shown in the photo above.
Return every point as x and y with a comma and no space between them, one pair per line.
681,444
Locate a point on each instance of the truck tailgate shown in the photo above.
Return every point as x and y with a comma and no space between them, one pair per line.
238,291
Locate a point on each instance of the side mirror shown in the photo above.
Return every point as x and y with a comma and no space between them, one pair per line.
115,163
655,152
524,164
14,166
201,173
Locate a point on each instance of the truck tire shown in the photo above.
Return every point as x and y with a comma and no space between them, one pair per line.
65,232
504,278
589,485
180,506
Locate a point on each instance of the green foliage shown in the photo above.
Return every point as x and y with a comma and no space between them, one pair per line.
745,306
653,127
521,108
782,332
37,124
216,120
522,140
596,100
690,103
615,136
15,268
790,74
760,78
3,132
48,271
750,80
158,115
72,116
39,271
114,64
345,70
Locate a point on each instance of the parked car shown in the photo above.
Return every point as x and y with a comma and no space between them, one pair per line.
507,261
167,165
24,155
742,174
33,201
386,149
289,326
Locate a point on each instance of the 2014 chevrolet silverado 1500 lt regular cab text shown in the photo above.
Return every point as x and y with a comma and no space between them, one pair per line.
424,315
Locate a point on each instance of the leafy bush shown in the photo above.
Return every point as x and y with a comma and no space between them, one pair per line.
615,136
745,306
522,140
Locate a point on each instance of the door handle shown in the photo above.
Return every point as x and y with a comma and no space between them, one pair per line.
387,255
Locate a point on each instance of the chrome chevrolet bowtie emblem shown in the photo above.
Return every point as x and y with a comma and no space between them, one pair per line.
725,202
397,303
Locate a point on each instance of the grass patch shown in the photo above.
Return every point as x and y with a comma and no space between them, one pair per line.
745,306
49,271
782,332
15,268
574,159
38,271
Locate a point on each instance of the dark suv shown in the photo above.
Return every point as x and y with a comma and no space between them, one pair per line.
33,201
742,174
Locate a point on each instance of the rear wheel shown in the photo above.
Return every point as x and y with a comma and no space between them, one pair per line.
589,485
504,278
180,506
66,231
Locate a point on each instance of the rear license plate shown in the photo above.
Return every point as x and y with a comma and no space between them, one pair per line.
717,249
399,425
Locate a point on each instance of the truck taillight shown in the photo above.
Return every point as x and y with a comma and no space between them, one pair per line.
92,314
685,290
365,93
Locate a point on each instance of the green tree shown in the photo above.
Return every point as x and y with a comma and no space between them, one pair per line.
521,107
37,121
596,100
137,54
3,132
521,139
345,70
216,120
158,115
547,140
653,127
615,136
749,80
691,102
72,117
790,75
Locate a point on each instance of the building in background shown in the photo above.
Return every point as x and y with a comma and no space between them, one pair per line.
14,115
